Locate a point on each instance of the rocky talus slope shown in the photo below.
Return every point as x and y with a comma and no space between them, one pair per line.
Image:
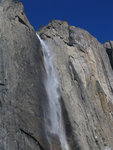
84,69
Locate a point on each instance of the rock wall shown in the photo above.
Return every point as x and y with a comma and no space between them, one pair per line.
85,83
21,83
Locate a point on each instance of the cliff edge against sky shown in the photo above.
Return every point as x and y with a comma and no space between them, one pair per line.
85,82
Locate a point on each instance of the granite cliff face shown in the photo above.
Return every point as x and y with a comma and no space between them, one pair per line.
21,83
86,85
84,70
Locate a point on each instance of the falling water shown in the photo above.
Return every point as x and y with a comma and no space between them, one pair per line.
53,118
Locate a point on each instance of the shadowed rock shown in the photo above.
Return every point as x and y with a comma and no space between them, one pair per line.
109,49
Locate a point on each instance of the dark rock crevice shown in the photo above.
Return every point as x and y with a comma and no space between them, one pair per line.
22,21
109,49
2,84
32,137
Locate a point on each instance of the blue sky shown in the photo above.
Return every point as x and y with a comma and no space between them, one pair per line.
95,16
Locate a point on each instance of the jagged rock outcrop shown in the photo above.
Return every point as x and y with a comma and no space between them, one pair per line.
85,83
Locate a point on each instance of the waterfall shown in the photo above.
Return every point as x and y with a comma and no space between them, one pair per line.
53,117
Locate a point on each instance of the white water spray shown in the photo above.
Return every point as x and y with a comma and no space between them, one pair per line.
55,125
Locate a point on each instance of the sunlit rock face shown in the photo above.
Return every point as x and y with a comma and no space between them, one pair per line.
85,85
